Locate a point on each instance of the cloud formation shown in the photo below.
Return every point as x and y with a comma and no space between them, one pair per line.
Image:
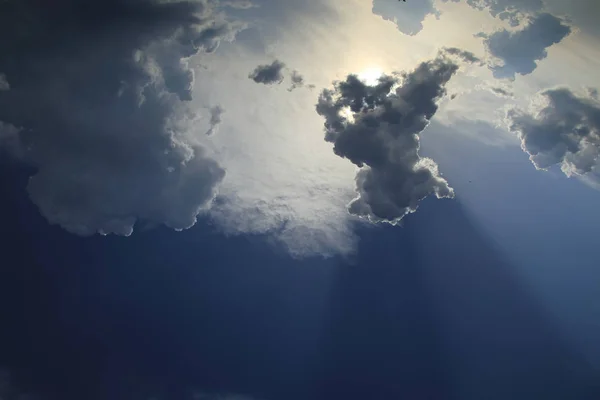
216,113
4,85
518,51
513,11
563,131
268,74
408,16
377,128
97,92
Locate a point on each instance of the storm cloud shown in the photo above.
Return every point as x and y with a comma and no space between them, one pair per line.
98,94
563,131
377,128
268,74
518,51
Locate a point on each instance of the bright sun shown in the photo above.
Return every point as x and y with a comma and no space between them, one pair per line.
370,75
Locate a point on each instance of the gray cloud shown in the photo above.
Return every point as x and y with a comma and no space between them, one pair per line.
565,131
268,74
4,85
216,113
408,16
461,54
513,11
518,51
501,92
98,91
377,128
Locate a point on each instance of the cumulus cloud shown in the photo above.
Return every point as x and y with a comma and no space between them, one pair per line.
98,91
377,128
268,74
216,113
563,130
518,51
298,81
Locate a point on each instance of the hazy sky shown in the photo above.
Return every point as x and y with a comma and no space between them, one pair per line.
304,134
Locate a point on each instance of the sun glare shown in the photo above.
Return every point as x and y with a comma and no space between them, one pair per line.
370,75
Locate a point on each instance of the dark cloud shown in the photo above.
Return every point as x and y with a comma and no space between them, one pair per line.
216,113
463,55
408,16
268,74
4,85
513,11
377,128
97,91
518,51
501,92
565,131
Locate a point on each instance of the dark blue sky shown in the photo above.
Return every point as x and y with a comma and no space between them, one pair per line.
432,310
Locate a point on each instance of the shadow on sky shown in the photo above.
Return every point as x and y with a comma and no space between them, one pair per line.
428,311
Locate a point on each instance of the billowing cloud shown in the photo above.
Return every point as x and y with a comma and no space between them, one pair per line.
268,74
216,113
377,128
98,91
564,130
518,51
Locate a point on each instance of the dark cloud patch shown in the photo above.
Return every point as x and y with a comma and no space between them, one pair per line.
501,92
268,74
513,11
4,85
565,132
463,55
97,90
518,51
408,16
377,128
216,113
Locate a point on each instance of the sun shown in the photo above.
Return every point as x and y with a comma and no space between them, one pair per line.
370,76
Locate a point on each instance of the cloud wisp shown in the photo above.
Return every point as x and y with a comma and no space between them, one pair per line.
377,128
98,92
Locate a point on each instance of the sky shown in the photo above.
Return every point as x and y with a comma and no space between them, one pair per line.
280,200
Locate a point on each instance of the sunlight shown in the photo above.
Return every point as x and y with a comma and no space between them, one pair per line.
370,76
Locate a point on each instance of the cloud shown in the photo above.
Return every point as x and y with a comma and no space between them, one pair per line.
268,74
377,128
298,81
518,51
215,119
98,91
563,130
461,54
4,85
408,16
501,91
9,391
513,11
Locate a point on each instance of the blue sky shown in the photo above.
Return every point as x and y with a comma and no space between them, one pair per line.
299,200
